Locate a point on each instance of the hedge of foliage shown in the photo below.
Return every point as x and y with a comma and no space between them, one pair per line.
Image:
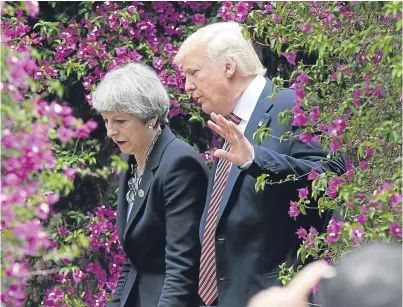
60,246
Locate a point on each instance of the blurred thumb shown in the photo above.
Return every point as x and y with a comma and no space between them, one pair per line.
301,285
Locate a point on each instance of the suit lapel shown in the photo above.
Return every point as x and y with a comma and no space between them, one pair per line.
263,106
152,164
122,203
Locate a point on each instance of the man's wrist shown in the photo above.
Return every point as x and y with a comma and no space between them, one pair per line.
247,164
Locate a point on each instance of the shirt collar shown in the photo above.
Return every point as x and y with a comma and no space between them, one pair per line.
247,102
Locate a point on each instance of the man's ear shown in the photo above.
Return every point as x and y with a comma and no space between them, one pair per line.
230,69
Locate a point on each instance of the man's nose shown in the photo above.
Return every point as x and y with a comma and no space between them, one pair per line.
189,86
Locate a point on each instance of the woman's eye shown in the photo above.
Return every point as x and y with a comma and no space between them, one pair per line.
194,72
121,121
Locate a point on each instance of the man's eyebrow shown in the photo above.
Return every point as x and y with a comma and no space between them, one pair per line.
192,67
188,69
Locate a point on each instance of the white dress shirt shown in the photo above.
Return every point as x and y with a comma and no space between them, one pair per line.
247,103
245,106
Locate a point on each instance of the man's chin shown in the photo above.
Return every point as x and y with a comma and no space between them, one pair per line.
206,109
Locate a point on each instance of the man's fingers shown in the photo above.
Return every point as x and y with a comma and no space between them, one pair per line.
216,128
225,123
228,126
231,127
301,285
221,154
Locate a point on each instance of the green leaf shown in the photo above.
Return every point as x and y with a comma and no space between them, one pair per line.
261,182
261,134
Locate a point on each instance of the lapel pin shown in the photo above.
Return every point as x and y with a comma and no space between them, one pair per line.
140,193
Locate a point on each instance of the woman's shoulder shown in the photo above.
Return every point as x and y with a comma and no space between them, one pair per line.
180,148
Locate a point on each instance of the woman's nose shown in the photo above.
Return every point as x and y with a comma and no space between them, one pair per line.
110,130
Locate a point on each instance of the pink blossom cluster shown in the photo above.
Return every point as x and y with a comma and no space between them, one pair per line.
237,11
103,271
27,154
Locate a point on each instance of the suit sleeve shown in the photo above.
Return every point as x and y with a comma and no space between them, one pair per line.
184,189
115,301
297,160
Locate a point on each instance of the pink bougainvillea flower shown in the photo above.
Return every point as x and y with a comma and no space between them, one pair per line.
364,164
78,276
357,234
291,57
303,193
333,231
69,121
33,236
42,211
306,137
70,173
314,113
158,63
63,231
362,219
52,198
54,297
395,230
33,8
303,78
199,19
395,199
307,28
313,174
333,185
11,180
293,211
336,144
302,233
276,18
65,134
299,119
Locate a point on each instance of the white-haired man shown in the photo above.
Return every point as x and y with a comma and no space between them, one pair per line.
245,235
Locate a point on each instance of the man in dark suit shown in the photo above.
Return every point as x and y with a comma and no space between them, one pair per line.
246,235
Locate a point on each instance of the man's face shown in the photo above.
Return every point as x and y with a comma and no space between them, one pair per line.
207,82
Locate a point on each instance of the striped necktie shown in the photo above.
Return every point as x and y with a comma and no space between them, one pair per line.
208,290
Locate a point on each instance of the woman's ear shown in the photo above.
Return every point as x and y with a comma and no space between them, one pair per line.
153,122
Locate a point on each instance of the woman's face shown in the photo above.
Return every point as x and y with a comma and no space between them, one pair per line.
127,131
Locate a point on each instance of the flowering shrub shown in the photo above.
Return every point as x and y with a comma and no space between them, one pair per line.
349,100
346,69
34,176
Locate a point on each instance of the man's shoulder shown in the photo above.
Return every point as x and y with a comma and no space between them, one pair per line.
283,99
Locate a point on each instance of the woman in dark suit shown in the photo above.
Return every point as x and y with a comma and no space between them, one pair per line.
161,195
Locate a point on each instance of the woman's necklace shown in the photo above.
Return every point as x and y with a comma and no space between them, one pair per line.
137,174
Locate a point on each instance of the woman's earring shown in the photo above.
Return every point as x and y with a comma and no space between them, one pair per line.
150,126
